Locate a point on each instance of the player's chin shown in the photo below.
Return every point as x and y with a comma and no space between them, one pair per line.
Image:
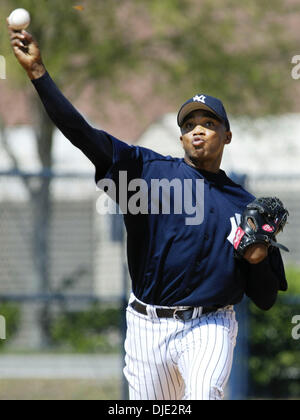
197,152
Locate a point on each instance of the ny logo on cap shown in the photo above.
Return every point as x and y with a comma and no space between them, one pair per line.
200,98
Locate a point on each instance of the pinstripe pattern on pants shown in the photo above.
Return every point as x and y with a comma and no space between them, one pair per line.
170,359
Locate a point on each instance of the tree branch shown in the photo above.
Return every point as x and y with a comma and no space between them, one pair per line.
13,158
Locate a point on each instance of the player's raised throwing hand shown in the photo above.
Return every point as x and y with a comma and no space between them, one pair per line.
27,51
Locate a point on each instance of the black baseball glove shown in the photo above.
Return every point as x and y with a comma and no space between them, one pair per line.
261,221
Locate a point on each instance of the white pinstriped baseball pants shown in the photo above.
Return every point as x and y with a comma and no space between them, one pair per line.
168,359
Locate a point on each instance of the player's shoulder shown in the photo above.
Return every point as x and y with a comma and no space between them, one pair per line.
238,181
124,151
150,156
237,185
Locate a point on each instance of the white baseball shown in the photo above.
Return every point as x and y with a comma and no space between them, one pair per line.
19,19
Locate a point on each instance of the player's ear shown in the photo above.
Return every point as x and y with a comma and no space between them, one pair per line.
228,137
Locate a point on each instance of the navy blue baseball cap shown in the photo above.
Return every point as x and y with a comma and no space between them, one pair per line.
206,102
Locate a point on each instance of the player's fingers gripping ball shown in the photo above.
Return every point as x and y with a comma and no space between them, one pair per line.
261,221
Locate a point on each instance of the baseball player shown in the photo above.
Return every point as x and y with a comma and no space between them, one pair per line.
187,274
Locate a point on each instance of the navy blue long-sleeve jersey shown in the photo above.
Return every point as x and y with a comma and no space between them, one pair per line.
171,261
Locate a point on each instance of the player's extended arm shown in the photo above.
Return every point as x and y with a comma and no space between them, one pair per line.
94,143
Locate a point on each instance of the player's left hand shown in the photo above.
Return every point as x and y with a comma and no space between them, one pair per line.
254,254
261,221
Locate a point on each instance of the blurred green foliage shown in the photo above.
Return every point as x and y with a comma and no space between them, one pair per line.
77,46
11,312
239,51
94,330
275,356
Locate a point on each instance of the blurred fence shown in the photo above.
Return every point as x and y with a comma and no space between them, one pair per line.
83,252
86,265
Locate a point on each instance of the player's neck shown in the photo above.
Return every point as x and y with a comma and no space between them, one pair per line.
207,166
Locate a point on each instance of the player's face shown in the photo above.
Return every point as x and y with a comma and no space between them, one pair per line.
203,139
